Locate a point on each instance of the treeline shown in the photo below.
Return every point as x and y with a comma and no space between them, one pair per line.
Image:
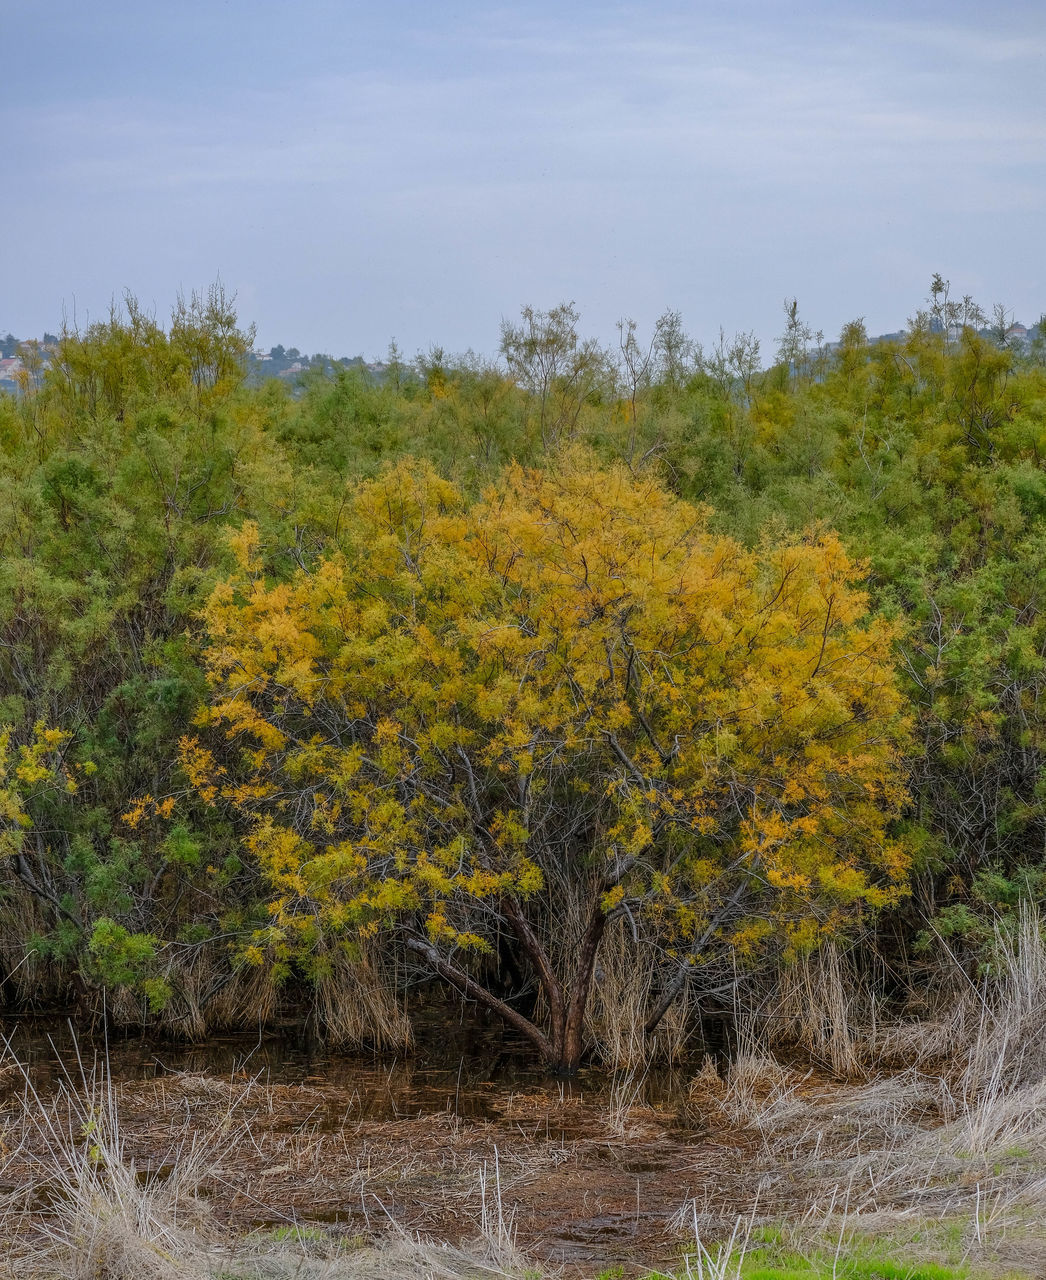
180,689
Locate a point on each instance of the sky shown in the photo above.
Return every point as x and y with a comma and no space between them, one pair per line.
357,172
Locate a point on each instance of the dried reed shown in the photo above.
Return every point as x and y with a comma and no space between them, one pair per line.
814,1005
356,1003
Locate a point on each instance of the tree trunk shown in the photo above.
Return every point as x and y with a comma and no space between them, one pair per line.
563,1047
573,1036
550,983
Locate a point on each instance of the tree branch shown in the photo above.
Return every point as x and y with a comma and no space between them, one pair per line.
468,986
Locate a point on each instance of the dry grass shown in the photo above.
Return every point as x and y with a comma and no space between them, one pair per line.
954,1147
244,998
1001,1119
982,1035
814,1008
356,1003
998,1038
621,998
1009,1040
756,1092
87,1209
829,1157
398,1256
960,1152
903,1156
706,1261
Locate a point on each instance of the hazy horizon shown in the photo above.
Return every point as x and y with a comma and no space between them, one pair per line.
357,175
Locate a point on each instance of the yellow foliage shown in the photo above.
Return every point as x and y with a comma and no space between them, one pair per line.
199,767
423,717
32,768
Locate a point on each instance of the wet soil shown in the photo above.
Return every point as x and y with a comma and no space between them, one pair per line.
464,1134
588,1172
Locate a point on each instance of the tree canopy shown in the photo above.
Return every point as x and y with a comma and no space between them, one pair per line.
568,690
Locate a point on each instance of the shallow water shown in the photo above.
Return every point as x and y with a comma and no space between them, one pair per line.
468,1070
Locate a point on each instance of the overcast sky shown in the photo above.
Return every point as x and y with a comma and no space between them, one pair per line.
358,171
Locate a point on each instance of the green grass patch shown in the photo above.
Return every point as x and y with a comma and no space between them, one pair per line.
848,1269
770,1257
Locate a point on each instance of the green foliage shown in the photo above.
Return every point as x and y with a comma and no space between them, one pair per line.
117,478
850,1269
120,958
124,466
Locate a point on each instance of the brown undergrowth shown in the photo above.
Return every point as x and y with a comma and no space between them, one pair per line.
191,1175
197,1175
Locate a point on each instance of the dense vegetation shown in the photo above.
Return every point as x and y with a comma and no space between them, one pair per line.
523,675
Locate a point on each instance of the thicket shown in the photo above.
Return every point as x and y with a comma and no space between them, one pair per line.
135,471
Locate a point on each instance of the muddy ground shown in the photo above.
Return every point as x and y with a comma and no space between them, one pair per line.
585,1174
575,1184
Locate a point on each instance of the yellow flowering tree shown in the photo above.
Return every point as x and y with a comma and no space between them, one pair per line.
569,693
